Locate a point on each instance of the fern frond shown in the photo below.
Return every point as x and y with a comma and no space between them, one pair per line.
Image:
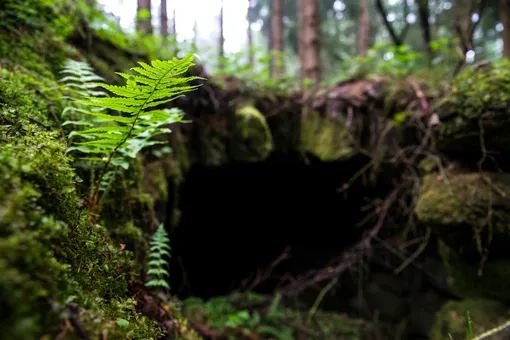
159,248
131,130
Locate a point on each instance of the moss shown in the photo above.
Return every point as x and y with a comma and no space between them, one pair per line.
467,210
50,252
470,279
451,320
251,139
325,137
28,97
48,247
478,102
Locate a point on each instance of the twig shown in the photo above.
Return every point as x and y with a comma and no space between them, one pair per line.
493,331
263,276
319,298
417,253
425,106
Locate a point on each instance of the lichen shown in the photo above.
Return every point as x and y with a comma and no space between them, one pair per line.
325,137
451,320
469,211
251,139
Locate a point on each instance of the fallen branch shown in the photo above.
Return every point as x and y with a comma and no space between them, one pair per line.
262,276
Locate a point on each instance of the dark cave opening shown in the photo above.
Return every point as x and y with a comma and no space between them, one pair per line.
238,218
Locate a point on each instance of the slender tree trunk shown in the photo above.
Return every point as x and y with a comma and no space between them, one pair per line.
364,28
398,39
174,24
144,24
163,15
249,34
309,45
424,13
465,27
504,12
221,52
277,33
270,43
195,31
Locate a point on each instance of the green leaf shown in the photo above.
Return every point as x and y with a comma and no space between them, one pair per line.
122,323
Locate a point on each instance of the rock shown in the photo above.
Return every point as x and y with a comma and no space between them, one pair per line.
467,210
451,320
251,139
477,107
470,279
327,138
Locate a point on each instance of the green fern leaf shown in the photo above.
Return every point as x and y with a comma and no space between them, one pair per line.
157,252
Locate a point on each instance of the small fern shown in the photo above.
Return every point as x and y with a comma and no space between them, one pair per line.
159,249
125,134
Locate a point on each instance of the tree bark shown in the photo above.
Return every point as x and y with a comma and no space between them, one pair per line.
249,34
174,24
277,33
364,28
221,51
309,45
163,15
144,24
398,39
465,28
424,13
504,12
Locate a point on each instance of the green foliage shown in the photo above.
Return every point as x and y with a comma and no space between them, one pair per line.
460,320
258,75
78,83
159,249
125,135
52,16
470,332
480,89
256,316
386,59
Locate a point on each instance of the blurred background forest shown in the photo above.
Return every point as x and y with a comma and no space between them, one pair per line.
262,38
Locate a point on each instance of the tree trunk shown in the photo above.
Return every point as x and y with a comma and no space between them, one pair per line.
424,13
269,34
143,23
195,31
364,28
277,33
221,52
309,46
504,12
174,24
164,18
398,39
249,34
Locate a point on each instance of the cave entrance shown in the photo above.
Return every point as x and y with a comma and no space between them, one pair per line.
238,218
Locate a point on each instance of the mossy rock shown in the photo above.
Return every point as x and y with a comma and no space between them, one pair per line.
472,279
476,111
251,139
326,138
451,321
466,210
